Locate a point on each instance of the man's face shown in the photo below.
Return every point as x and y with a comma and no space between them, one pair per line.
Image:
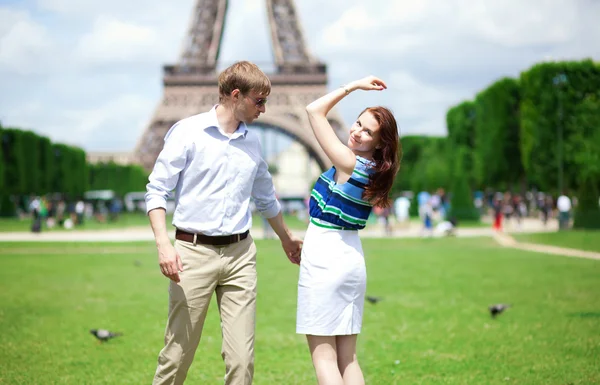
250,106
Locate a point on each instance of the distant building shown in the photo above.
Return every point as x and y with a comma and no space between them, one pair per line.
296,172
122,158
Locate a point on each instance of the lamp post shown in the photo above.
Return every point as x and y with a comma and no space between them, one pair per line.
559,80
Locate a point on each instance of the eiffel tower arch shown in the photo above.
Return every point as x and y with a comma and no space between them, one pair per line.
190,86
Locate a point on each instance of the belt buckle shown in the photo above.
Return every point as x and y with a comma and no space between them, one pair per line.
237,237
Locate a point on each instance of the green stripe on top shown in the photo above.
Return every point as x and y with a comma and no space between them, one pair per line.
340,192
344,216
359,201
336,211
329,181
360,173
326,225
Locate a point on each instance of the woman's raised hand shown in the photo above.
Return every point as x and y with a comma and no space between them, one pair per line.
369,83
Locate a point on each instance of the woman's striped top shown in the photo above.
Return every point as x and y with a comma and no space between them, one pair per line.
340,206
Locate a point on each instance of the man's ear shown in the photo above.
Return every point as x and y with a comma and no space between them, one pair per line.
236,94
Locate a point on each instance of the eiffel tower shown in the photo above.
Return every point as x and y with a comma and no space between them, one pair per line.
190,86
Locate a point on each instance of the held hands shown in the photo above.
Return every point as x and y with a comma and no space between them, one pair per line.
169,261
292,247
370,83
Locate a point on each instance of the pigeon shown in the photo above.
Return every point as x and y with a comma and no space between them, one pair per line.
497,309
104,335
373,300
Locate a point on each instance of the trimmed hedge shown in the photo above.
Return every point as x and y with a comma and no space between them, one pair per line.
461,202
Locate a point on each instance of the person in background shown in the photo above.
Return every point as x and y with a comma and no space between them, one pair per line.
563,205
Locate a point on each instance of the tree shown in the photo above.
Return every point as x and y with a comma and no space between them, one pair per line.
551,97
46,165
587,212
6,206
583,150
71,175
31,159
424,164
2,163
432,170
460,121
122,179
497,156
461,202
15,172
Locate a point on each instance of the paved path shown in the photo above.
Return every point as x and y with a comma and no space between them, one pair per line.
144,233
506,240
374,231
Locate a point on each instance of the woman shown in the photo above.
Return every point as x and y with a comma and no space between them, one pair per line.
332,283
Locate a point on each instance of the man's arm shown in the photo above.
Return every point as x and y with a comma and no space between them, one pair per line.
267,204
291,244
165,175
168,258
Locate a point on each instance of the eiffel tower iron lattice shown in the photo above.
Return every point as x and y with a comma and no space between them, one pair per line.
190,86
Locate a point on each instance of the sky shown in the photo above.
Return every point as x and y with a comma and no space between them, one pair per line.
89,73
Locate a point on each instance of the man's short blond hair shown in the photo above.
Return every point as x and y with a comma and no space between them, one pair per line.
244,76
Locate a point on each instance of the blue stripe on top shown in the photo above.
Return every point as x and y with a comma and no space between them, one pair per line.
340,206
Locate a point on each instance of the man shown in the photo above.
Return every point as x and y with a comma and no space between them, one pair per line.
563,204
401,209
214,164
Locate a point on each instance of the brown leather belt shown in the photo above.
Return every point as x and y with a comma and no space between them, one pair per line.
217,240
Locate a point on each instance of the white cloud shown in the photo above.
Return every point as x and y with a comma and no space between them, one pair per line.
353,19
416,98
117,123
114,41
365,31
92,26
515,23
9,17
65,7
131,9
25,47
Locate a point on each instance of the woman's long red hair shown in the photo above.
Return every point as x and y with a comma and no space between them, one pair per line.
387,158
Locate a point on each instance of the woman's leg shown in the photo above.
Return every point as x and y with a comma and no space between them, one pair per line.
325,360
347,362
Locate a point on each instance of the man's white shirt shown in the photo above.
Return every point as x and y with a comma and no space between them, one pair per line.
563,203
213,175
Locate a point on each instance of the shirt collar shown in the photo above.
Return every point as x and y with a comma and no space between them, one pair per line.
242,129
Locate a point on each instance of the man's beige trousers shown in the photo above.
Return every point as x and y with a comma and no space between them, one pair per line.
230,271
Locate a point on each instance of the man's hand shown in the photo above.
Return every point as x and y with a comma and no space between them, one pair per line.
292,247
291,244
169,261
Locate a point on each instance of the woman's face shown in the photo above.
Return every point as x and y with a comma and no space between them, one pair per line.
364,135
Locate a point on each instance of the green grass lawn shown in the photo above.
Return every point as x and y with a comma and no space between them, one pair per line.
431,327
576,239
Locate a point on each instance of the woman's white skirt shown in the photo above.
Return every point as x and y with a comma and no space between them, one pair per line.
332,283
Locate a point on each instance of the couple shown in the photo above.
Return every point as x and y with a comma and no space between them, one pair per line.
214,163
